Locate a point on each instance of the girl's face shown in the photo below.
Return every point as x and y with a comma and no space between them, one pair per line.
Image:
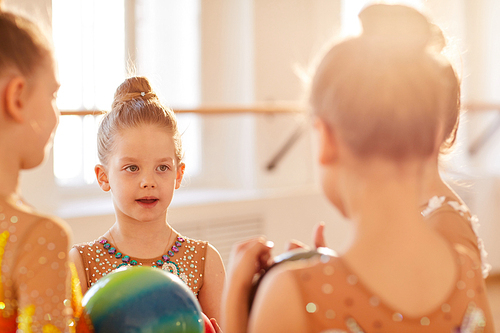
142,173
42,114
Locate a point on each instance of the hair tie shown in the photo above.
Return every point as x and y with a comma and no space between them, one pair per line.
143,93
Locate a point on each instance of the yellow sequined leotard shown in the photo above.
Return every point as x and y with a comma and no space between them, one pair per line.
185,258
35,288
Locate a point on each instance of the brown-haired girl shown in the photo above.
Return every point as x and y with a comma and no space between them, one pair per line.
34,282
385,102
140,151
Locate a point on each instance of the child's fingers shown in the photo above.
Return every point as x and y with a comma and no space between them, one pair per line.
246,244
259,251
253,247
249,257
295,244
215,325
265,259
319,235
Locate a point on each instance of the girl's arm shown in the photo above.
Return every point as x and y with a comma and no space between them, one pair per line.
247,259
75,257
278,297
210,294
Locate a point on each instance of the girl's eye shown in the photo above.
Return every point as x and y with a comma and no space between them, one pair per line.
132,168
162,168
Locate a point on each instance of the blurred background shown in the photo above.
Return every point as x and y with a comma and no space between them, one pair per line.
205,56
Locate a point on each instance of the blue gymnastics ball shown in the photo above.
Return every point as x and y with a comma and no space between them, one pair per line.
141,300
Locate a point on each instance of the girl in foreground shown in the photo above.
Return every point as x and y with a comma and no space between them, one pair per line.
34,272
386,103
140,151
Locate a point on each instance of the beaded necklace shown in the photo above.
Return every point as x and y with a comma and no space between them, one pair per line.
164,263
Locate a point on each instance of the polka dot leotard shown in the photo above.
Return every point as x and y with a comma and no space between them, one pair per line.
35,293
185,258
335,300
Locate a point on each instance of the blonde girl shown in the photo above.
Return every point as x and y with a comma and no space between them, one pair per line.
140,153
34,272
386,103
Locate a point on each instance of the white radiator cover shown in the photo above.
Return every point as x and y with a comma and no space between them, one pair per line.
222,233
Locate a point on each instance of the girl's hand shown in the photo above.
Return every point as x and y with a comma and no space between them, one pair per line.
247,259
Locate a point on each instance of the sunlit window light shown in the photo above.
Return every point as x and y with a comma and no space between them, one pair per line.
68,160
168,49
191,131
351,8
89,39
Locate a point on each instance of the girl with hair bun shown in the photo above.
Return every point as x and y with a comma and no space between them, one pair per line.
35,289
386,103
140,154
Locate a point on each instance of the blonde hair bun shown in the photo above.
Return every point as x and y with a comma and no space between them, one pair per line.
399,27
133,88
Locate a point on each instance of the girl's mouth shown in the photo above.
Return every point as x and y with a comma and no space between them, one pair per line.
147,203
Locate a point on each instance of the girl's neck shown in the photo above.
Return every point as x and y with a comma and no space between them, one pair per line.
9,171
141,240
383,199
387,209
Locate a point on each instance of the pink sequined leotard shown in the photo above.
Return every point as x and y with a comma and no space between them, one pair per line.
336,300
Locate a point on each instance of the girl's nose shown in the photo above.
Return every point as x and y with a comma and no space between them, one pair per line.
148,182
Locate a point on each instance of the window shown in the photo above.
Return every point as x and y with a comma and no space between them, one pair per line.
96,43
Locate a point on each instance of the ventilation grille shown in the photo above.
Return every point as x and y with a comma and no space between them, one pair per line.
222,234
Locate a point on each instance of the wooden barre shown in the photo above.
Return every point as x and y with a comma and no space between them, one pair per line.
275,108
480,106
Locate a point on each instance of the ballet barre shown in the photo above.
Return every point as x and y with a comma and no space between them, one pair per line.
259,108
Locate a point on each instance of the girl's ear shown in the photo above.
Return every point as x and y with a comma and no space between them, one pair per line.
328,148
15,94
102,177
180,175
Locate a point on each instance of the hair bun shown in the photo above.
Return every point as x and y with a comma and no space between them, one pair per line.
396,24
136,87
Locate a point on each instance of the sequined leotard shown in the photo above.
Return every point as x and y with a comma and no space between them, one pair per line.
336,300
185,258
35,293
